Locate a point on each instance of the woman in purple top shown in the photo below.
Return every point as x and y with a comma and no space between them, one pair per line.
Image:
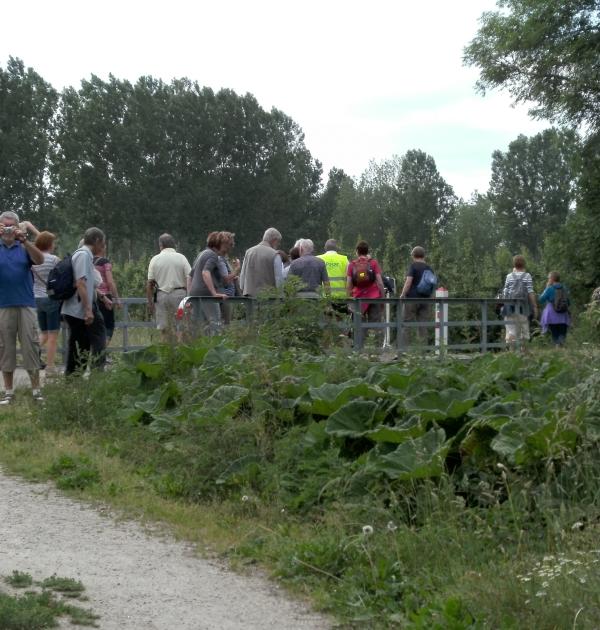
554,321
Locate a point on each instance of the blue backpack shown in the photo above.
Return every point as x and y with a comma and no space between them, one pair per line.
427,284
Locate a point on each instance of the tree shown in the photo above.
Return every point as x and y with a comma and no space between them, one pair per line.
27,107
152,157
533,187
543,51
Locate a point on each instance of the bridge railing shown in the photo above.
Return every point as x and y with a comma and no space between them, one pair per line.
480,330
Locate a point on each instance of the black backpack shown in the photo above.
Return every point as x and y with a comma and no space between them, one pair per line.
561,301
61,284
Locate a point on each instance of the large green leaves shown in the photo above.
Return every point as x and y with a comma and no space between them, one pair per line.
354,419
416,459
330,397
439,405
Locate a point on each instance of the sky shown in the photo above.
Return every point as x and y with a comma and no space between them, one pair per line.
364,80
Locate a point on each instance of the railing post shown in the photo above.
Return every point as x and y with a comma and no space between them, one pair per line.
399,324
357,322
125,327
484,325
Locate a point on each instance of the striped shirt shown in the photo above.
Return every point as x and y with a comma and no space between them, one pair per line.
512,279
40,274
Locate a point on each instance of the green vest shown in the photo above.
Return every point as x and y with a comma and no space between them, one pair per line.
337,265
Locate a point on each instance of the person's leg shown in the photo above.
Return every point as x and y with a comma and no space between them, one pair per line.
423,314
410,315
212,315
96,333
51,350
78,348
29,337
9,322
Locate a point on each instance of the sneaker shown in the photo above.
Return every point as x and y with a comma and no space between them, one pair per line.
37,396
7,399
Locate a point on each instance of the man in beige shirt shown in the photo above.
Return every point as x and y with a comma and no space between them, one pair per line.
167,276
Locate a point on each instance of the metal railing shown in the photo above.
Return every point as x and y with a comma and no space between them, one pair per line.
395,330
397,324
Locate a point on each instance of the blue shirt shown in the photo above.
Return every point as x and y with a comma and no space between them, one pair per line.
16,279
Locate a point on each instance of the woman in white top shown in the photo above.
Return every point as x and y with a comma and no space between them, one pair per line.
48,310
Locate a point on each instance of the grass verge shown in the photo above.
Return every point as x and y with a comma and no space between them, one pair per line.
508,546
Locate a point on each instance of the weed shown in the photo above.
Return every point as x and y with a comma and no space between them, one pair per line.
68,587
18,579
74,473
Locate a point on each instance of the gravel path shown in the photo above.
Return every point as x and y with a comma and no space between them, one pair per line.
134,580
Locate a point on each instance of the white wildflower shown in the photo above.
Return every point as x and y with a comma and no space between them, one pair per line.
391,526
245,498
577,525
540,594
367,530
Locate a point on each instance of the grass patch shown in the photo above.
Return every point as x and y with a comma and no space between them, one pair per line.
37,610
443,494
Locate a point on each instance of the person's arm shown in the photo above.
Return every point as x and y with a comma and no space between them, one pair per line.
545,296
110,281
30,228
37,258
243,276
150,294
208,281
349,283
531,295
407,285
88,314
278,269
379,281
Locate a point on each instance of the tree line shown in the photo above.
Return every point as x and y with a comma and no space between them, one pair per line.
141,158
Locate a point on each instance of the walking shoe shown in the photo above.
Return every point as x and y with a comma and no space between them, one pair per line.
37,396
7,398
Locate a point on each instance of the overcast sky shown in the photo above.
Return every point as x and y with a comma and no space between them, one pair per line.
364,80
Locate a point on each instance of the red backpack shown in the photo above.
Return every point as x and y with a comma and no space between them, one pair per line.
362,272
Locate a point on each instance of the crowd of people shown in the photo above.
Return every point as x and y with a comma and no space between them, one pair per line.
30,312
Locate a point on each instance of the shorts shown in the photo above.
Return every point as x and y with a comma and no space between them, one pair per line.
166,308
517,327
48,314
21,322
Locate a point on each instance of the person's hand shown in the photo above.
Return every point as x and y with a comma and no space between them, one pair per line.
88,316
223,296
20,235
107,303
151,307
236,265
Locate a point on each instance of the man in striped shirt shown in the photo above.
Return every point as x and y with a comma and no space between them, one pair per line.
519,285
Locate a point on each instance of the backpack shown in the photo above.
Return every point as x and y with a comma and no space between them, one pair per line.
561,302
61,284
427,283
519,289
362,272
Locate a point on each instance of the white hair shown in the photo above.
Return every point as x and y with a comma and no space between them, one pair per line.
8,214
306,246
272,234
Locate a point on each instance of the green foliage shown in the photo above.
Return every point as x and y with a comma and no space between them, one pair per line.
19,579
27,107
533,187
73,473
542,52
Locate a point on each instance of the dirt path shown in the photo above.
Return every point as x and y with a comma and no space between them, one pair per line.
134,580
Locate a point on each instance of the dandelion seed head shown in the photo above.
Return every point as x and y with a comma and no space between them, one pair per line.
367,530
245,498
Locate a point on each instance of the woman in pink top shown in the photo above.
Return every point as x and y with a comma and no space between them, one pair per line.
364,281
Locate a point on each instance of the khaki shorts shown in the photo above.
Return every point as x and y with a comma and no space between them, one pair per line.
19,322
517,327
166,308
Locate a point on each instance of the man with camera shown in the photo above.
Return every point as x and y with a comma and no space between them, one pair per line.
17,304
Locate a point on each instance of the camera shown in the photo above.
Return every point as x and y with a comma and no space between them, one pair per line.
9,229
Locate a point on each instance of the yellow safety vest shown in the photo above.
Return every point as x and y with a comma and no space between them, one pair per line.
336,264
